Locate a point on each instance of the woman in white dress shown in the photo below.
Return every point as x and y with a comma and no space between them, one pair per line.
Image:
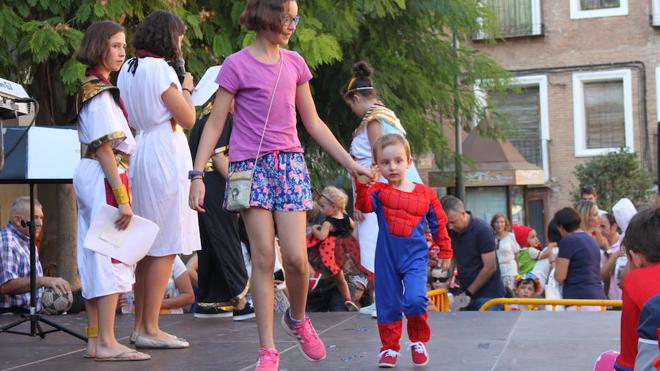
98,179
156,103
507,249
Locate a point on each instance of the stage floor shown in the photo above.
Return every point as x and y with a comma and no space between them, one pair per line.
470,341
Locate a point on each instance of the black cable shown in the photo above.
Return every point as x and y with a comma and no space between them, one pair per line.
34,119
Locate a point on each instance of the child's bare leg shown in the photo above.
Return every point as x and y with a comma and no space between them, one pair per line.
342,285
259,226
291,233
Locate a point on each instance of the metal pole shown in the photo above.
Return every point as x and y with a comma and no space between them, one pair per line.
458,163
33,263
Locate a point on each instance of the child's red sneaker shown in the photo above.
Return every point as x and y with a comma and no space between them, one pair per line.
388,359
420,356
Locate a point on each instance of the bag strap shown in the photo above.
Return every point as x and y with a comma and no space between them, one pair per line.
270,105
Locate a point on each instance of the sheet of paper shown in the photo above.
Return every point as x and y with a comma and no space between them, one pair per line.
127,246
206,86
112,235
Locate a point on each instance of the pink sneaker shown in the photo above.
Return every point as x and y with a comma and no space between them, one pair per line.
420,356
310,344
269,360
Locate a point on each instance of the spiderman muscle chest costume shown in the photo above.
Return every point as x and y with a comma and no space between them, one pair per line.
402,255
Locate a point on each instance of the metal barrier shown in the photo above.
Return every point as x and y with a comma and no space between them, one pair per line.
533,304
439,299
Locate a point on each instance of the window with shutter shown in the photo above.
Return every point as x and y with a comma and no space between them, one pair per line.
604,114
522,109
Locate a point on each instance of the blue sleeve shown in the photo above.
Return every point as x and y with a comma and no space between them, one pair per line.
566,248
485,240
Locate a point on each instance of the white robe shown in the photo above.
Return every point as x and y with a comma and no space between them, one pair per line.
99,117
159,168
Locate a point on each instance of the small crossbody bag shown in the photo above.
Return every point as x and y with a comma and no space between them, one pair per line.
240,182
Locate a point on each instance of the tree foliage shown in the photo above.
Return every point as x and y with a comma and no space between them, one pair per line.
615,175
408,42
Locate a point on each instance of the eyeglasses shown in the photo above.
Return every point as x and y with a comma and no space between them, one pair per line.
439,279
288,20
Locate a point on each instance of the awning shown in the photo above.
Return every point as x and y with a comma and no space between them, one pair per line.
495,163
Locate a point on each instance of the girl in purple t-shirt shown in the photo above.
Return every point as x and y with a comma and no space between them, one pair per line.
281,191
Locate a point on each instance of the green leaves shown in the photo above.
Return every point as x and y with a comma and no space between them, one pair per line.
73,73
408,42
318,49
222,46
83,13
44,41
615,175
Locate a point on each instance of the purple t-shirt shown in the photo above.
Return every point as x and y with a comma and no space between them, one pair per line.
252,83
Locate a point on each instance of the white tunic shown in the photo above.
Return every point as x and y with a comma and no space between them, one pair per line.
368,228
99,117
159,168
507,249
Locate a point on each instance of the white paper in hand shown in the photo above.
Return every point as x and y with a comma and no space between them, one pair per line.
127,246
112,235
206,86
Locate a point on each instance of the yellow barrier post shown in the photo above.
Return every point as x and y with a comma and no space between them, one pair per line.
440,299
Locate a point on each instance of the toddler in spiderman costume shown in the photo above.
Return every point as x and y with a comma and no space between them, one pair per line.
404,209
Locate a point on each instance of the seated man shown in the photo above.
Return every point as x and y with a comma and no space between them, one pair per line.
15,260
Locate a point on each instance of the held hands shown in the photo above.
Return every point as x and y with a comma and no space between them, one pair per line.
196,195
363,174
125,215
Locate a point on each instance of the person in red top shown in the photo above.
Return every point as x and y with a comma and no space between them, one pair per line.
640,317
403,209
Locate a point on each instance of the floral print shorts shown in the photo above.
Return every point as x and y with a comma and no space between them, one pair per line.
280,182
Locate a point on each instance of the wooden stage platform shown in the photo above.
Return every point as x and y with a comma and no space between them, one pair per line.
470,341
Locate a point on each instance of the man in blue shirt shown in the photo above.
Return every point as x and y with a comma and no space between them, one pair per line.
15,259
473,242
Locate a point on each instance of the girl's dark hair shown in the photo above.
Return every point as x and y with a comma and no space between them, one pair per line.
361,82
159,33
553,232
643,234
263,15
568,218
94,45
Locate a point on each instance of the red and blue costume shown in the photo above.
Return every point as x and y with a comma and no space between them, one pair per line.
402,256
640,319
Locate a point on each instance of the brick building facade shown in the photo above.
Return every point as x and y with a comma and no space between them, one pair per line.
589,73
